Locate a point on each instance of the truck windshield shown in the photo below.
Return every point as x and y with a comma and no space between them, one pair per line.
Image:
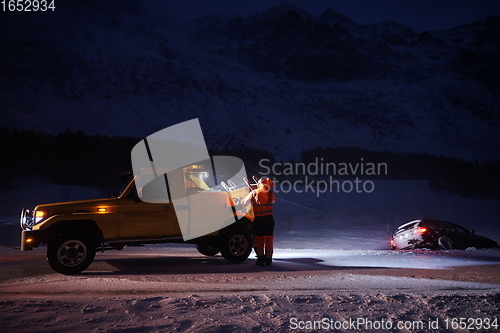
121,184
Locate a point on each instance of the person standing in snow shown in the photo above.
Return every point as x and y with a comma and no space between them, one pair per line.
263,198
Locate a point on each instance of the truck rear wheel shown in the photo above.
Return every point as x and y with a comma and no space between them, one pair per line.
70,255
236,245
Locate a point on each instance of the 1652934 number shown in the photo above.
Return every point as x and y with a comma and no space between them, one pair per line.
28,5
471,323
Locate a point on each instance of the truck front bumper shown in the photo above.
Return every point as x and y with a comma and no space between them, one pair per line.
31,239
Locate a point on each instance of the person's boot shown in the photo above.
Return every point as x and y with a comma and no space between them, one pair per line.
261,261
268,261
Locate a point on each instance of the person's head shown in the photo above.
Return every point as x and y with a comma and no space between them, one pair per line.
266,183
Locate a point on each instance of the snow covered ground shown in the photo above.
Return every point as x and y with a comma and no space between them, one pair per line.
332,266
154,289
251,312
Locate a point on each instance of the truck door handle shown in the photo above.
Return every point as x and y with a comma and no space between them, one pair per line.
167,207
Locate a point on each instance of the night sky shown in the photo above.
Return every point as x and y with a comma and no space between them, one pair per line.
419,15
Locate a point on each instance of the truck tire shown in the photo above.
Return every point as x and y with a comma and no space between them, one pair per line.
207,250
70,255
236,245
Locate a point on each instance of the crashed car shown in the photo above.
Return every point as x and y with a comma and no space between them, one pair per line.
437,235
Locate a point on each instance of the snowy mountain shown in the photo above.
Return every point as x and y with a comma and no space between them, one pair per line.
279,79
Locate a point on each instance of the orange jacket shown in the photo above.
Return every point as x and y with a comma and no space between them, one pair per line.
262,201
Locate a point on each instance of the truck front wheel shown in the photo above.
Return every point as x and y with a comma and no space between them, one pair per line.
236,245
70,255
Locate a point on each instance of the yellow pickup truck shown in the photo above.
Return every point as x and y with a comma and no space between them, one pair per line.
75,231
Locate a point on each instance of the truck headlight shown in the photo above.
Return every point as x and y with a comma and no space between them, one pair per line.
26,220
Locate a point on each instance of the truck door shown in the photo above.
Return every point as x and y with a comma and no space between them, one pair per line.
139,219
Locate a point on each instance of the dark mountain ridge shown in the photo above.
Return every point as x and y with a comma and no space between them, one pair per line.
116,68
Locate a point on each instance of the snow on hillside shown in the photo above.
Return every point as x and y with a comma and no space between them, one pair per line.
305,81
